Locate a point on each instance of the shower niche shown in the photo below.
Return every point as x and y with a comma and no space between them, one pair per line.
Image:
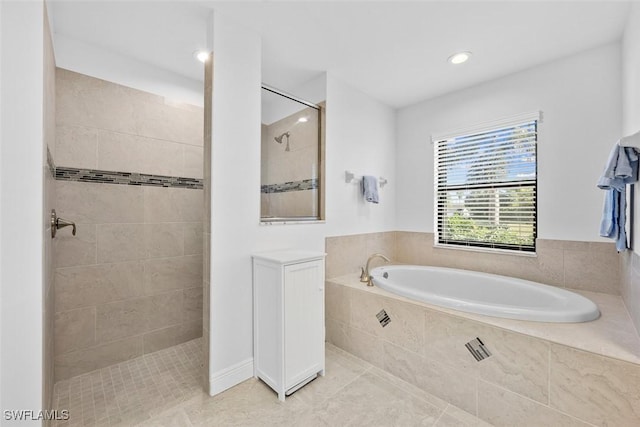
291,158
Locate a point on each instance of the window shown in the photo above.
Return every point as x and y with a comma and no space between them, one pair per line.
486,186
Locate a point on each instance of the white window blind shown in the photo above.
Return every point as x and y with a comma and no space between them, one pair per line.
486,188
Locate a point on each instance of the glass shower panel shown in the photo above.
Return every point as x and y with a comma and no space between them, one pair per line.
290,158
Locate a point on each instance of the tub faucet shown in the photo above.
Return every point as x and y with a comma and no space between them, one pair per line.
364,274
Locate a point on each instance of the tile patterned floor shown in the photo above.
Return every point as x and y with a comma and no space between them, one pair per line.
163,389
129,392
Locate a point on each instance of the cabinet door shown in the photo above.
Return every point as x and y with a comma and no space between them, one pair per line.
303,320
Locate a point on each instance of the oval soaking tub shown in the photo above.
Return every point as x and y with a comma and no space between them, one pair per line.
483,293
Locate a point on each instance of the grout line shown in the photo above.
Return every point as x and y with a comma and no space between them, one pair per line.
551,408
416,395
165,292
477,397
128,134
95,323
441,414
96,264
97,139
345,385
104,392
184,413
549,375
93,397
632,271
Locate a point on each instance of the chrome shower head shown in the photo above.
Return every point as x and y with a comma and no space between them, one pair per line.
279,140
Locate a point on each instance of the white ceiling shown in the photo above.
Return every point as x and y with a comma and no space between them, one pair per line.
395,51
161,33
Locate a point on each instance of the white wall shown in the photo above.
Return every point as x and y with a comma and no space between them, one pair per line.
630,125
92,60
315,91
360,136
1,169
235,178
631,73
21,207
580,100
631,98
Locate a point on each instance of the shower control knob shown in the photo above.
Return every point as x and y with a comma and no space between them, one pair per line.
58,223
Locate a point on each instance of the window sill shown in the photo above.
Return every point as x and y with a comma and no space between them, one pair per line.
486,250
292,222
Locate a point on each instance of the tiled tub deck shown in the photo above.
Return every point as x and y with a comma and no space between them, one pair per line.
539,373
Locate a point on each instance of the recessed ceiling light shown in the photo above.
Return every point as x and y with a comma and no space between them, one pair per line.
201,55
459,58
303,120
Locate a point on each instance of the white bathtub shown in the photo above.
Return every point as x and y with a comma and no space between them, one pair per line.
487,294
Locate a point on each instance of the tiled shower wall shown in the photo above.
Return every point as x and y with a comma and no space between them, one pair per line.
130,281
590,266
299,166
49,148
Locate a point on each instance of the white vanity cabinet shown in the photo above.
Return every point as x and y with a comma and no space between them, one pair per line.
288,318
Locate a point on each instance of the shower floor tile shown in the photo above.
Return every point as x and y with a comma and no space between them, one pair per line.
164,389
131,392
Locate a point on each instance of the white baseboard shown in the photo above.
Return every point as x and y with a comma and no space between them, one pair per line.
228,377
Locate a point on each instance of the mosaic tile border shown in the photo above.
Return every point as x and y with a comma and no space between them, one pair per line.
126,178
305,184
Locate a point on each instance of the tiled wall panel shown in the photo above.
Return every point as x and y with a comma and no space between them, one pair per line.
346,254
527,381
601,390
589,266
130,281
49,151
630,276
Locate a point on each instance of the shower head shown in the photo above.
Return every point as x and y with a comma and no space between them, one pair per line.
279,139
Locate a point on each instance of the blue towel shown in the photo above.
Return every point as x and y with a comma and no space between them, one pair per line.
370,188
609,223
621,169
614,218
